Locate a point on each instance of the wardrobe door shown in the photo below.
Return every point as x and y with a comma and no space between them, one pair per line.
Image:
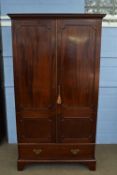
78,66
35,79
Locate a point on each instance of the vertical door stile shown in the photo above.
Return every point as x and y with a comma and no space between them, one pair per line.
58,73
56,80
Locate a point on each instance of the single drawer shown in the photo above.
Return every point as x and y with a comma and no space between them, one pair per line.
56,152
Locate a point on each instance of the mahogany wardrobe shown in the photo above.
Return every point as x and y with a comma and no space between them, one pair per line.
56,61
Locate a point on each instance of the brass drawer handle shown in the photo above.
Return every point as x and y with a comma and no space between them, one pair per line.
74,151
37,151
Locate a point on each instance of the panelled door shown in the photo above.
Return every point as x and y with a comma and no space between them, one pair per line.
77,66
35,79
55,79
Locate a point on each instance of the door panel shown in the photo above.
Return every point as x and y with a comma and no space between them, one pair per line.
41,129
35,64
35,77
78,129
76,50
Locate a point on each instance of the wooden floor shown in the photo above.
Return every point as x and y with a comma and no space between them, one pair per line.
106,163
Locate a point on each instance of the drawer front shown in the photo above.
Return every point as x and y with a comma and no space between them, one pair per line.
56,152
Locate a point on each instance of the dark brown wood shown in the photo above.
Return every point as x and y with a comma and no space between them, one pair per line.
21,165
35,80
56,151
91,165
56,16
78,42
56,72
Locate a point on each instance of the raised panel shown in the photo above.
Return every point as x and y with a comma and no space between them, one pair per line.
37,130
78,129
77,43
35,65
